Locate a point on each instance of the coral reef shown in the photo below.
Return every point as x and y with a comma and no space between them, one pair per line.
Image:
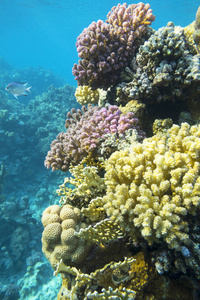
128,222
152,187
132,278
27,127
106,48
86,184
86,130
19,241
108,277
152,195
24,128
103,231
2,181
9,291
38,77
160,125
34,277
58,239
164,62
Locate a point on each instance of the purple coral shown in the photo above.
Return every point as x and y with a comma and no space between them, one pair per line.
86,130
97,48
105,48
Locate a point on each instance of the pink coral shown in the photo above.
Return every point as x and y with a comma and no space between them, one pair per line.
86,129
105,48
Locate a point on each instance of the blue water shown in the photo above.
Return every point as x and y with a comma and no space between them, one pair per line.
43,33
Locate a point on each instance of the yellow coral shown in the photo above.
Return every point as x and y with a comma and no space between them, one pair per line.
87,183
154,186
103,231
108,277
84,95
94,211
140,271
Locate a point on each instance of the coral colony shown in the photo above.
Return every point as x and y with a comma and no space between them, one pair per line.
127,226
86,130
106,48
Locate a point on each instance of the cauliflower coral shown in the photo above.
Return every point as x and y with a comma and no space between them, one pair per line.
155,186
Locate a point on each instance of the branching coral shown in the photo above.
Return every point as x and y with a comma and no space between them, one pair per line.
107,278
165,61
87,184
155,186
103,231
86,130
111,294
128,196
106,47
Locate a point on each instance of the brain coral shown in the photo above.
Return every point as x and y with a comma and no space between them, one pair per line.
58,239
153,188
85,131
107,47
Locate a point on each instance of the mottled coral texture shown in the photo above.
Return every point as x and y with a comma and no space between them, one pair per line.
153,188
105,48
86,130
164,62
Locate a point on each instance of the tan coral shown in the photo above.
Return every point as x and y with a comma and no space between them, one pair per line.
134,106
51,234
69,223
189,32
51,215
58,238
196,34
161,124
138,108
68,212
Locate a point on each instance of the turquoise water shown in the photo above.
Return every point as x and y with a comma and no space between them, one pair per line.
37,45
43,33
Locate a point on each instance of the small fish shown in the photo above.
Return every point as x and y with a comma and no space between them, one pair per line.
18,89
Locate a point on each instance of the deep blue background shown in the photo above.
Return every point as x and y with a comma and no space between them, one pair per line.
43,32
